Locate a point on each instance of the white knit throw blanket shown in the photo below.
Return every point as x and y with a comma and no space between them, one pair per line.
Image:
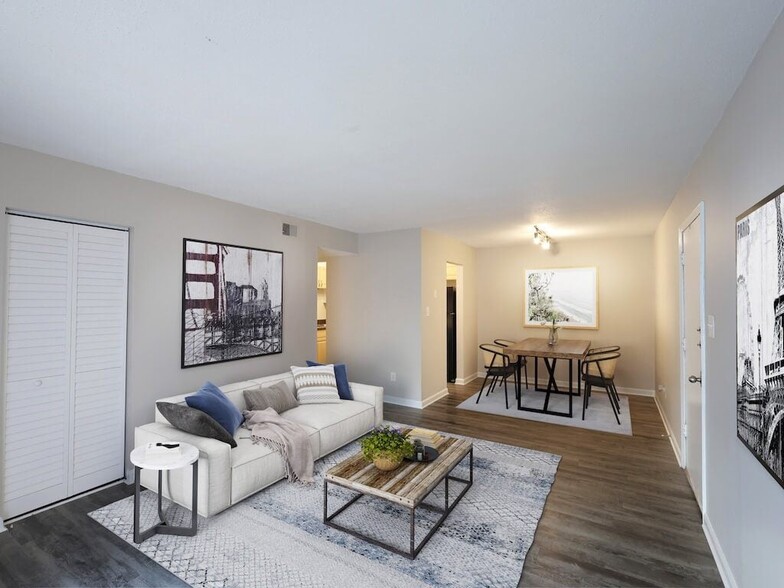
284,436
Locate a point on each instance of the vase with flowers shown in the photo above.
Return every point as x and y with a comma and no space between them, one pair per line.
386,447
552,339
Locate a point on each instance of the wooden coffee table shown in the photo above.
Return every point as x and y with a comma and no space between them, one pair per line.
409,485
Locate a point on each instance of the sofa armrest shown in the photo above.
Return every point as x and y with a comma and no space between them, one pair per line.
373,395
214,469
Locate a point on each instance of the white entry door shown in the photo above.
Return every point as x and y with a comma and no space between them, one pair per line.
691,329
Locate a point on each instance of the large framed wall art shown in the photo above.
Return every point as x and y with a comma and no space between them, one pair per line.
759,263
569,296
232,302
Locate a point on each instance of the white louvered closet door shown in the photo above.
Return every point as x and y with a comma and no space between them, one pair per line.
64,418
99,335
36,443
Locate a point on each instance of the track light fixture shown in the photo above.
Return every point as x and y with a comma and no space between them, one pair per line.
541,238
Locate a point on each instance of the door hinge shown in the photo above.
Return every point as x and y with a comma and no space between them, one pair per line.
685,431
683,344
683,258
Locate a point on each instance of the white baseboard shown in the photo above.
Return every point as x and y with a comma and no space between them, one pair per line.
636,391
2,527
673,440
718,554
435,397
400,401
564,384
469,379
411,403
13,520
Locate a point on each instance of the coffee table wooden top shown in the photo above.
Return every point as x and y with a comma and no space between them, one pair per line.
538,347
407,485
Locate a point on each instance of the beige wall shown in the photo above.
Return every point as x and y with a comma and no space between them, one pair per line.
437,250
159,217
378,311
626,299
374,313
741,164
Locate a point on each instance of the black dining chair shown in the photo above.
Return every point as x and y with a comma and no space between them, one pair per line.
598,369
498,370
523,361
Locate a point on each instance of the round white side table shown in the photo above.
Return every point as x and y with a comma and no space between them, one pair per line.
187,455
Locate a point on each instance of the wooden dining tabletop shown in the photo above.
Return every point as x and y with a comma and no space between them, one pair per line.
538,347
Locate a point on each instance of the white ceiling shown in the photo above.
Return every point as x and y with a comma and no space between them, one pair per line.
476,119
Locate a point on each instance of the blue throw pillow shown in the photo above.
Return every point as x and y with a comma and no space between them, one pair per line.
211,400
341,377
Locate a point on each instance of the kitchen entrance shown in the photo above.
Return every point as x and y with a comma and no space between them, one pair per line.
321,312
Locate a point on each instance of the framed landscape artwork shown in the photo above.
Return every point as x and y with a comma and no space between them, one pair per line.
232,302
759,262
568,295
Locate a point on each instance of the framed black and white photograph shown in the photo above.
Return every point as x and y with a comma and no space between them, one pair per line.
566,296
759,261
232,302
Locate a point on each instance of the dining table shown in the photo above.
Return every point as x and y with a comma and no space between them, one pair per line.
571,350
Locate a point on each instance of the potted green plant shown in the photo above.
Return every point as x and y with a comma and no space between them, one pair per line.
386,447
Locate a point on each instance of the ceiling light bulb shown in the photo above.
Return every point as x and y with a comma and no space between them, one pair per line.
546,244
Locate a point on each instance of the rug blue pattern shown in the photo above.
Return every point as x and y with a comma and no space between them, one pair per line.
277,537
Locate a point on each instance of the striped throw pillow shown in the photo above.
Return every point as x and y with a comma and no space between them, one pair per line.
316,385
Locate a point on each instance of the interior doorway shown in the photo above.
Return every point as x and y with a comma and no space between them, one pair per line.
454,284
451,333
321,311
692,290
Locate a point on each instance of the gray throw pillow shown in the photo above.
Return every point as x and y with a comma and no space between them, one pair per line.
194,421
278,397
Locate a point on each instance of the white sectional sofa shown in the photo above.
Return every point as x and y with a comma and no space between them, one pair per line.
228,475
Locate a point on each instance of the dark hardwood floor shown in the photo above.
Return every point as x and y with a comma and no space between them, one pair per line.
63,546
620,513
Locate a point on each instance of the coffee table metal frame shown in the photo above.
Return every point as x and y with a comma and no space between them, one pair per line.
414,549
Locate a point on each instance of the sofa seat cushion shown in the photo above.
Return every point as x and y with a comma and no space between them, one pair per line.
337,423
255,466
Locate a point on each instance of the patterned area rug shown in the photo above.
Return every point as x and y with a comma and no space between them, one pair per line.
598,417
277,538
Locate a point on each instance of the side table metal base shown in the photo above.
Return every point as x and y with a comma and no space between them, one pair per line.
163,527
